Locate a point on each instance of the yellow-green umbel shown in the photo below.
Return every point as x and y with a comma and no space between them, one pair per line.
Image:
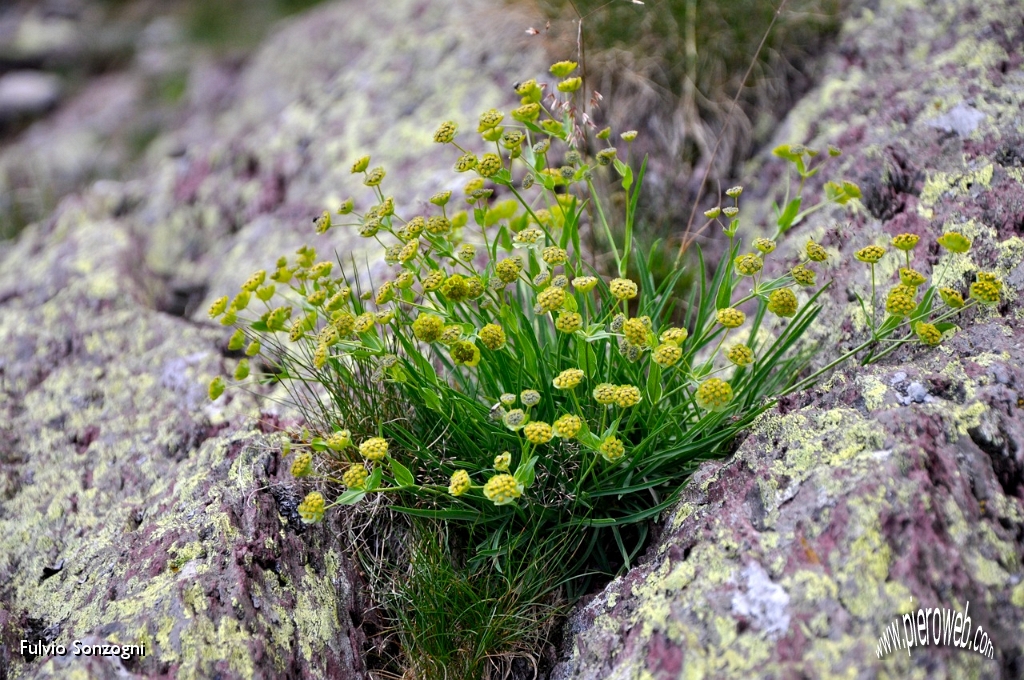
870,254
815,252
748,265
374,449
955,242
730,317
502,489
538,432
741,355
311,509
568,379
714,394
951,297
905,242
623,289
782,302
612,449
675,336
667,354
605,393
567,426
355,477
493,336
626,396
459,483
928,333
899,303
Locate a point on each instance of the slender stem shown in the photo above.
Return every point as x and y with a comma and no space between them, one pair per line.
872,318
604,221
806,382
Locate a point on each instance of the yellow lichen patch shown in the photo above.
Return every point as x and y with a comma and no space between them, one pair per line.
873,390
810,586
939,183
684,511
1017,597
315,615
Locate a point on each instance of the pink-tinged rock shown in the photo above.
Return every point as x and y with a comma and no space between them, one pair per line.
887,488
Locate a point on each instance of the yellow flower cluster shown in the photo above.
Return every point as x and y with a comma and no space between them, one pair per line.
605,393
899,302
623,289
951,297
567,426
803,275
905,242
731,317
612,449
626,396
741,355
569,322
374,449
538,432
311,509
748,265
987,289
667,354
459,483
870,254
355,477
636,331
782,302
910,277
568,379
927,333
674,336
302,466
502,489
714,394
551,299
502,461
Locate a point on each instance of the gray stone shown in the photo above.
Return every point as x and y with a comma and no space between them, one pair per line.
27,94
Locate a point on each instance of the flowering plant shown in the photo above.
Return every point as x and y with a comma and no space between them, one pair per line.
501,380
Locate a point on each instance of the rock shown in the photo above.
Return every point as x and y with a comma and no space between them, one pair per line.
887,488
173,519
25,94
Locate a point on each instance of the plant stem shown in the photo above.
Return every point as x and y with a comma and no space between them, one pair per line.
604,222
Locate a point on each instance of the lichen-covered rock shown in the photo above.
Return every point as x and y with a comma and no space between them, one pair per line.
132,510
886,488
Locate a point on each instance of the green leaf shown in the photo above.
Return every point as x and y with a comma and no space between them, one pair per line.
525,472
431,399
851,189
654,384
350,497
944,326
783,151
373,481
509,318
625,172
586,358
789,214
402,475
463,515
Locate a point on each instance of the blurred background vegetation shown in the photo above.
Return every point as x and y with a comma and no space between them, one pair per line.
669,68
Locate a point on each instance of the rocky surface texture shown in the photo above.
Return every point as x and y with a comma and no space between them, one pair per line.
131,509
887,488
